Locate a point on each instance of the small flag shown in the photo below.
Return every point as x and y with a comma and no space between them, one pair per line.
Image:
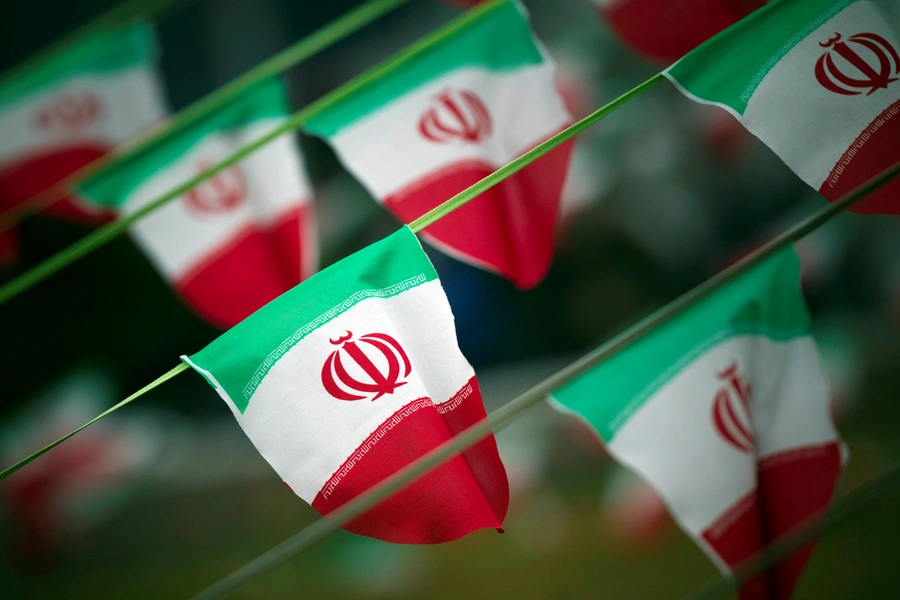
725,411
664,30
449,117
71,110
242,237
354,374
819,82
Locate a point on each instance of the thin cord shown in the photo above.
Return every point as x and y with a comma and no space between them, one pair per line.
321,528
340,28
157,382
105,234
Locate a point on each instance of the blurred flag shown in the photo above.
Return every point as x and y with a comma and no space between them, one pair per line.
351,376
71,110
816,80
725,411
238,239
664,30
58,498
448,118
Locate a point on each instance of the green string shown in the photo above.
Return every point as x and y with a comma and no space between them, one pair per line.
159,381
340,28
121,14
105,234
505,415
442,210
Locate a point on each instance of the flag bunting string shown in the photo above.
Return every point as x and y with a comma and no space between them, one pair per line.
510,411
108,232
319,40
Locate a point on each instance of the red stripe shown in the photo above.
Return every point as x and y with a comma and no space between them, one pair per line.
509,229
468,493
666,30
793,487
31,174
873,151
249,270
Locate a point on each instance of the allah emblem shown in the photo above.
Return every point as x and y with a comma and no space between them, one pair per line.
731,409
74,110
459,116
379,360
859,71
220,193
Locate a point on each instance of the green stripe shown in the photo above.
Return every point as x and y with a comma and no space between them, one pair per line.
267,100
500,40
103,53
727,68
240,358
765,301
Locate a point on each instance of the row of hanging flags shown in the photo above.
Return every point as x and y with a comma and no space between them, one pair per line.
356,372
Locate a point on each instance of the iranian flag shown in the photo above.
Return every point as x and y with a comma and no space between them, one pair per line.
71,110
725,411
666,30
354,374
819,82
451,116
237,240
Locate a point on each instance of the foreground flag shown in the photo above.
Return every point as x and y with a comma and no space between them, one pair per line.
71,110
664,30
725,411
237,240
819,82
448,118
354,374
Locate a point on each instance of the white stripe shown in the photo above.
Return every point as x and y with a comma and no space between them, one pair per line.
130,101
386,151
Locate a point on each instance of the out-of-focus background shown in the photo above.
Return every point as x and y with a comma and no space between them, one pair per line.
168,495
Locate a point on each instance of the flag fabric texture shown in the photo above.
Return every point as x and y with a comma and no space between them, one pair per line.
71,110
725,411
664,30
819,82
237,240
449,117
354,374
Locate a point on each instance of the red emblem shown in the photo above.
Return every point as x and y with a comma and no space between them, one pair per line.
220,193
459,115
872,70
74,110
378,357
731,409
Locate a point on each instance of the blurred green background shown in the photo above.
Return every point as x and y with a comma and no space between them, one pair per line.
168,495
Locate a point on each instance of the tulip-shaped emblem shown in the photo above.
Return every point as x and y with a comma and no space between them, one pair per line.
222,192
456,116
70,111
731,409
867,63
378,362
